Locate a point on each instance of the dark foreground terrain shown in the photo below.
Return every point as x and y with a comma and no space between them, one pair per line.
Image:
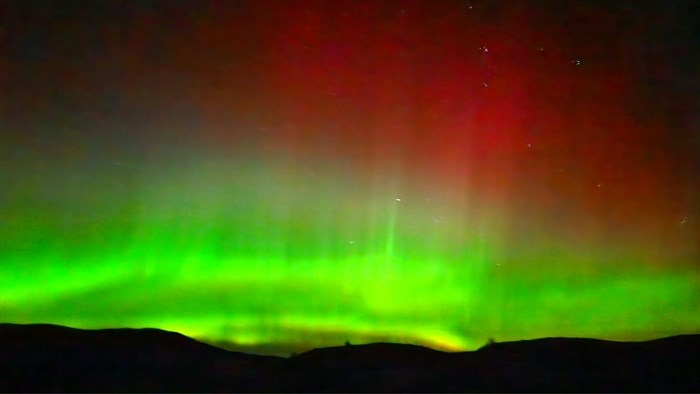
51,358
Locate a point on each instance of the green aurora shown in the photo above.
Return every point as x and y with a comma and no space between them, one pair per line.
293,265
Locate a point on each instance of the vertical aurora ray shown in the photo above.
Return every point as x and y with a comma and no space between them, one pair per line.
288,174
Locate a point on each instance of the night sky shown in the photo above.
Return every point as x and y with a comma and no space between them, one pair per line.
288,174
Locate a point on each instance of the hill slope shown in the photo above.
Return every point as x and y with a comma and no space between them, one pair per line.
48,358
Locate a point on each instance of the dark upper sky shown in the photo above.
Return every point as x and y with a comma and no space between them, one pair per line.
74,55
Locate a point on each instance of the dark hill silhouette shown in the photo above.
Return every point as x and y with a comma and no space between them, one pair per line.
49,358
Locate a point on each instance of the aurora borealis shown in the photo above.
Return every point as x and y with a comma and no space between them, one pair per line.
293,174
